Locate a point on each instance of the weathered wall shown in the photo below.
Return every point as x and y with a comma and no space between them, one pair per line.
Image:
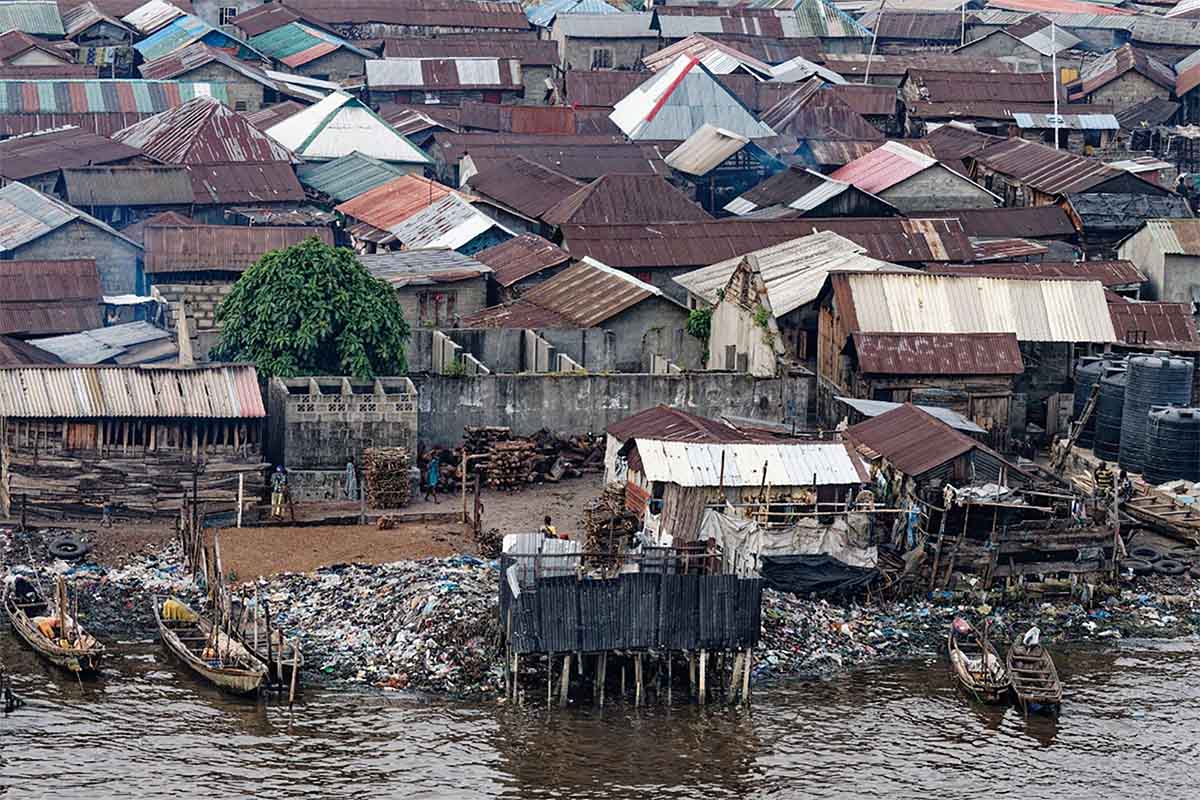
117,261
243,91
579,403
626,53
210,10
534,78
1147,256
1127,90
432,304
935,190
335,66
1181,278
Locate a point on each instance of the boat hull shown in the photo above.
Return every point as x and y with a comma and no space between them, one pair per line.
80,661
235,680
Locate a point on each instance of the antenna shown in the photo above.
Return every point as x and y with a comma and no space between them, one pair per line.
874,39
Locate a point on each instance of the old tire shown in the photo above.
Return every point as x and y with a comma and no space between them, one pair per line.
1145,552
68,548
1169,566
1137,566
1194,572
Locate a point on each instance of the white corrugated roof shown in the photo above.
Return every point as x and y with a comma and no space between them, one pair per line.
793,271
338,126
705,149
787,464
450,222
1035,310
874,408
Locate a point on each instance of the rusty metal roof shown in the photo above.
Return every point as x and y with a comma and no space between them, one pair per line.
245,183
267,116
583,295
203,131
1042,167
1109,273
199,54
1153,323
584,158
527,50
667,424
811,110
78,19
884,167
228,248
48,72
44,297
910,439
938,353
525,187
1179,237
444,74
614,199
983,87
520,257
69,97
794,188
15,353
133,186
1157,110
867,99
14,42
423,267
855,66
1114,64
347,177
1033,222
1005,249
267,17
927,26
74,392
600,88
952,143
39,153
391,203
27,215
430,13
544,120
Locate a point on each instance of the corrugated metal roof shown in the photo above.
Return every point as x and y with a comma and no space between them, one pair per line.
1153,323
604,26
938,353
795,188
231,248
1184,9
14,42
78,19
793,272
1155,111
1110,273
910,439
101,344
267,116
666,424
1047,42
812,112
720,58
920,26
90,96
1114,64
1058,6
423,267
231,184
127,186
1106,211
151,16
1005,249
390,203
296,44
43,297
1035,310
520,257
675,102
26,215
444,74
705,149
227,392
1035,222
983,87
184,30
450,222
426,13
203,131
874,408
853,66
575,158
705,464
542,14
1179,237
347,177
39,17
582,296
1043,168
614,199
521,185
884,167
39,153
342,124
1070,122
521,46
199,54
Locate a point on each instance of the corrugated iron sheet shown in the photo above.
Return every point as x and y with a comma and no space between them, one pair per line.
347,177
919,26
296,44
1005,249
521,185
45,297
227,392
1035,310
1034,222
614,199
181,32
450,222
521,47
78,19
189,248
39,17
444,74
938,353
248,183
267,116
1110,273
1043,168
979,88
342,124
26,214
127,186
667,424
521,257
1175,236
390,203
1153,323
604,26
884,167
198,54
910,439
423,267
874,408
705,150
699,464
109,96
1072,122
151,16
542,14
424,13
709,52
853,66
36,154
1059,7
1114,64
203,131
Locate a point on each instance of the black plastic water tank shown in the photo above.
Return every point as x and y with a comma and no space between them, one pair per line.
1087,374
1154,380
1172,445
1108,415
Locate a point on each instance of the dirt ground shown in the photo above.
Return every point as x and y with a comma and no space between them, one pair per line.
522,511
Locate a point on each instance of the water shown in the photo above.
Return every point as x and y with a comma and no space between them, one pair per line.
1130,729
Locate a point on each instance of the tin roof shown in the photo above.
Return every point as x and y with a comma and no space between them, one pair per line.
79,18
444,74
549,120
1155,111
41,297
938,353
265,18
520,257
1035,310
184,30
1042,167
874,408
910,439
39,153
795,188
614,199
581,296
623,25
602,89
248,182
720,58
267,116
39,17
884,167
296,44
423,267
1058,6
342,124
199,54
14,42
574,156
218,391
203,131
106,344
1114,64
426,13
705,149
1104,211
921,26
151,16
1153,323
1188,74
1070,122
48,71
542,14
983,87
347,177
1110,273
867,99
707,464
1180,237
667,424
449,222
525,187
109,96
675,102
27,215
793,271
811,110
134,186
853,66
390,203
1035,222
528,51
232,248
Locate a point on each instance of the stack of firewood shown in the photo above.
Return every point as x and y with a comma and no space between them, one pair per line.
385,470
606,522
511,464
489,542
480,440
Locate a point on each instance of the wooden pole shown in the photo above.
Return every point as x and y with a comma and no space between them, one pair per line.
623,690
549,677
241,496
462,482
734,679
670,682
295,671
565,682
747,664
637,677
516,676
603,675
703,676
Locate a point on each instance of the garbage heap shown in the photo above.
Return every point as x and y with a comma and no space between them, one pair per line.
424,625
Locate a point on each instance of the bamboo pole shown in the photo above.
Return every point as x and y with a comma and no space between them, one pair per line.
749,662
565,682
295,672
241,496
703,677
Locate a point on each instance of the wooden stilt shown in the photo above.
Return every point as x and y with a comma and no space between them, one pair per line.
703,677
637,677
565,683
603,675
735,678
549,678
623,695
670,682
746,667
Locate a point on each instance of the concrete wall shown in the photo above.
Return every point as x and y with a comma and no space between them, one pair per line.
335,66
241,90
937,189
1147,256
117,261
201,302
534,78
578,403
210,10
576,53
1127,90
1181,276
469,297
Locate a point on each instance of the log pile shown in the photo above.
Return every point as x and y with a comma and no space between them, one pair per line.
489,542
477,441
606,523
513,462
385,470
510,464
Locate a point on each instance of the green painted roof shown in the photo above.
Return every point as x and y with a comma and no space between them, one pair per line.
347,177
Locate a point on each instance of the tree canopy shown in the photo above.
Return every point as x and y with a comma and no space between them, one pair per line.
312,309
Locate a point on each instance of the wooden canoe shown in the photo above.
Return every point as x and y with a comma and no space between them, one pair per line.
227,665
976,665
76,651
1034,678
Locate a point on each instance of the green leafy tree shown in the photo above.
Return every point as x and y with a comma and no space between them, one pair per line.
312,309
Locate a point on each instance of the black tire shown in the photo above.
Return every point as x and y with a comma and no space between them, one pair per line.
1169,566
1138,566
68,548
1184,553
1145,552
1194,572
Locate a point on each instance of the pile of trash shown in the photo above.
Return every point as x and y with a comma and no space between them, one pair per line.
426,625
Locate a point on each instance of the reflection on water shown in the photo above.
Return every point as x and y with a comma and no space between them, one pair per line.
1130,728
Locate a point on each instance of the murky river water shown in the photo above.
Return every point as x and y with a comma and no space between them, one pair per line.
1130,729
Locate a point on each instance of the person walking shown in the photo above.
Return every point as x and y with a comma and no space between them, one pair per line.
278,491
431,478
